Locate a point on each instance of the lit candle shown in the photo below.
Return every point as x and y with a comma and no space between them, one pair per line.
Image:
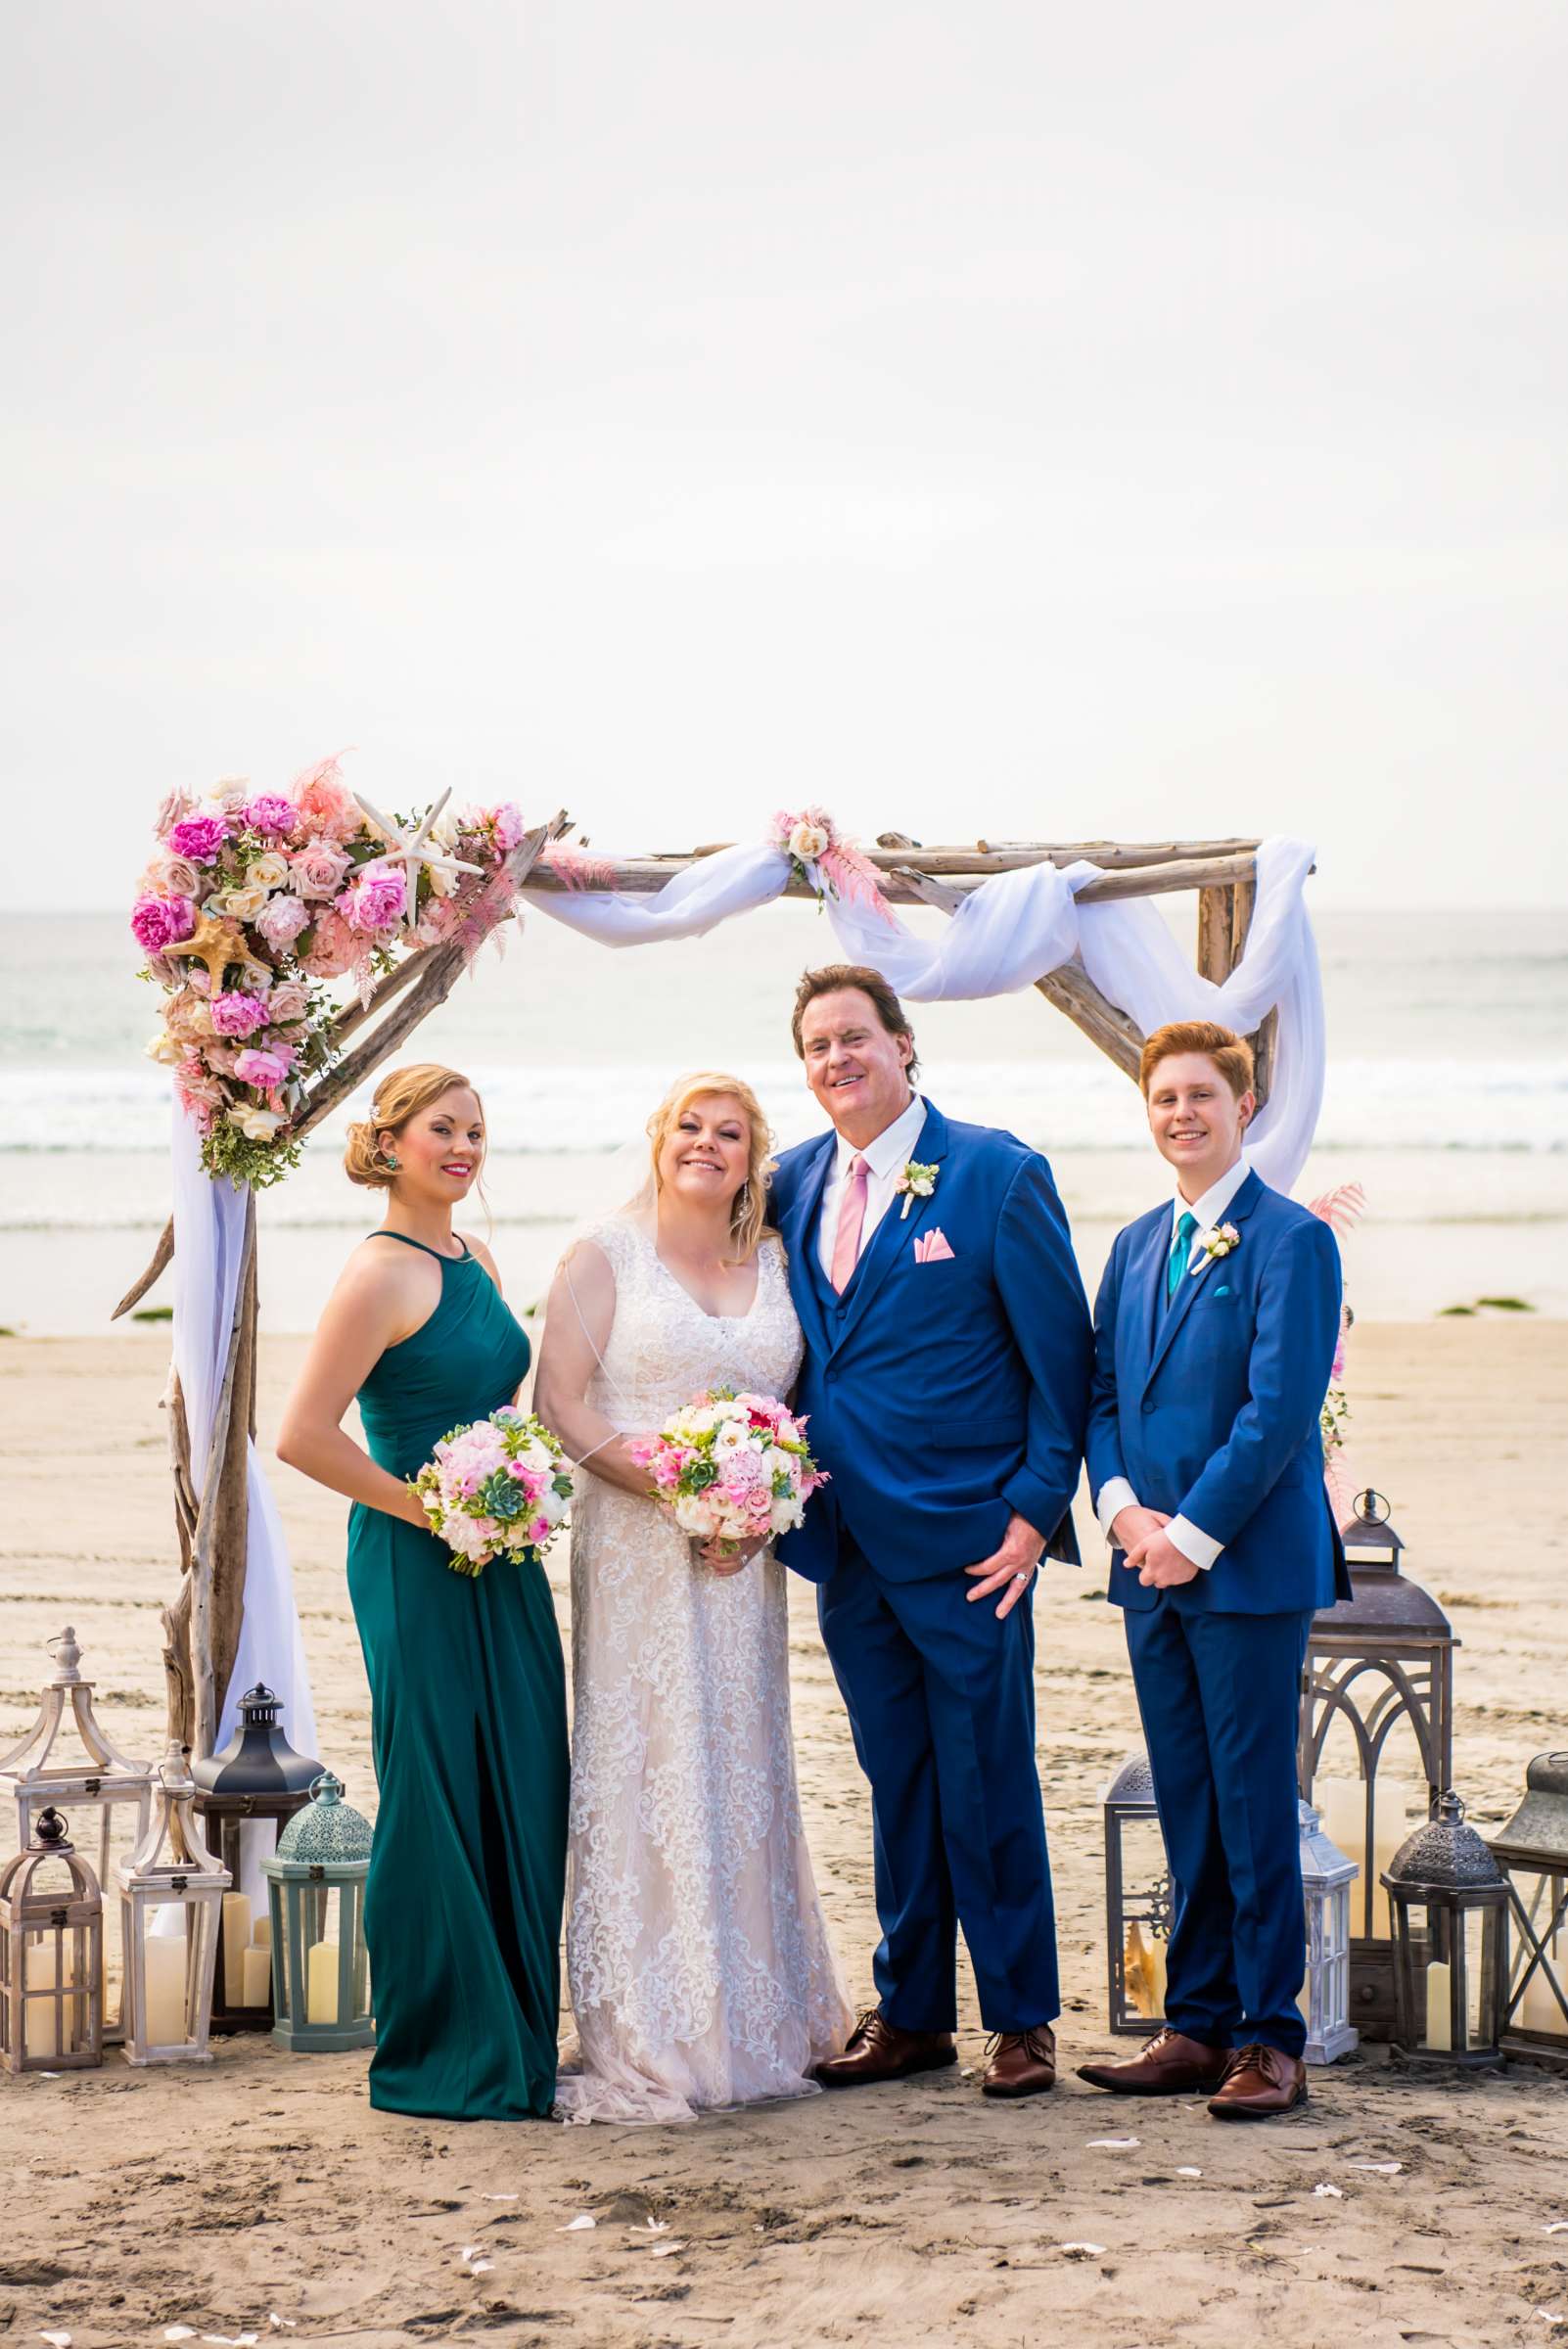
321,1983
163,1956
257,1974
1439,2033
235,1941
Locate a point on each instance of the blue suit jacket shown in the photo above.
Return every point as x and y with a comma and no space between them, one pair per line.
943,1396
1209,1408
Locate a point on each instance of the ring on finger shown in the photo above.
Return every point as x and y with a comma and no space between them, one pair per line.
1019,1580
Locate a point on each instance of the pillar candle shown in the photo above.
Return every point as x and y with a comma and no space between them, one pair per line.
164,1958
262,1930
257,1974
1538,2010
321,1983
236,1940
1439,2033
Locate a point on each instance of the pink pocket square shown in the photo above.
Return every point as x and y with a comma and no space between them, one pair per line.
932,1248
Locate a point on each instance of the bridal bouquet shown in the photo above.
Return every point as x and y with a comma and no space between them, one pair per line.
496,1488
735,1468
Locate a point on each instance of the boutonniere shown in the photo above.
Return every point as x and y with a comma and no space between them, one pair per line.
916,1182
1216,1242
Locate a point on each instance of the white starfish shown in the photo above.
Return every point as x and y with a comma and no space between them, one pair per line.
409,849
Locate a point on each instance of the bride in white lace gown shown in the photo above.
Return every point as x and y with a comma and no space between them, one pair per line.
698,1961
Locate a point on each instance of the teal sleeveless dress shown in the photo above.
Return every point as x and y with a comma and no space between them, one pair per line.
468,1734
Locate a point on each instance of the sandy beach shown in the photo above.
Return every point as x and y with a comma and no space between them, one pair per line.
261,2196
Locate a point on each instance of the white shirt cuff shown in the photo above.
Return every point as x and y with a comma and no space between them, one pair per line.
1193,1543
1116,1495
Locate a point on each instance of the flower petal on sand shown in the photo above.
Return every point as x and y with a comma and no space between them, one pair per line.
1081,2250
61,2340
664,2250
575,2225
1379,2169
481,2266
1189,2173
1329,2193
1114,2145
497,2197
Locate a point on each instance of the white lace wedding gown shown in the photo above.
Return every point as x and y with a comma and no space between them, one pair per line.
696,1952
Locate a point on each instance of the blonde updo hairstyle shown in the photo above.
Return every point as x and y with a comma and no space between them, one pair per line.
400,1095
748,1215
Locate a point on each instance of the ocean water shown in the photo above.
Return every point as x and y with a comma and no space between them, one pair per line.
1447,1098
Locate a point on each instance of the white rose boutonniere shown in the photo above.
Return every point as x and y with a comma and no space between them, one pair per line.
1216,1242
915,1182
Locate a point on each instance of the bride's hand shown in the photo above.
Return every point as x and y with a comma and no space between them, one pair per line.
722,1561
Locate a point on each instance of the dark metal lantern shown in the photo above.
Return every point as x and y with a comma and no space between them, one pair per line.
1138,1901
245,1796
1533,1849
1379,1664
1450,1903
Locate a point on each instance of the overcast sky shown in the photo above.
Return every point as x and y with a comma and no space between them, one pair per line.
1034,420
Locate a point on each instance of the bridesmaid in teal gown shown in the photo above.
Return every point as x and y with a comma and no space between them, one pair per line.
467,1703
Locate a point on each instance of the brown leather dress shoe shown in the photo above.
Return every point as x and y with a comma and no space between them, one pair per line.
879,2051
1023,2063
1259,2083
1169,2064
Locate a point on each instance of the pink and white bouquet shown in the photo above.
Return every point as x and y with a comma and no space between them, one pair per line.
827,860
734,1468
497,1488
254,901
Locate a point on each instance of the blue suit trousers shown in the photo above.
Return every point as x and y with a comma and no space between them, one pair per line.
941,1699
1220,1695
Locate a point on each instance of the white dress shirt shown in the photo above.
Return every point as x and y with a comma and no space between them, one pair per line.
1116,1494
886,1159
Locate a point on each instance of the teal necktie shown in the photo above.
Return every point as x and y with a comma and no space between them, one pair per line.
1181,1250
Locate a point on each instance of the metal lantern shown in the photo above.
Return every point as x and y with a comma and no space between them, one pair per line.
171,1891
96,1780
1138,1901
1533,1849
316,1879
1449,1902
1379,1683
244,1797
1326,1878
51,1956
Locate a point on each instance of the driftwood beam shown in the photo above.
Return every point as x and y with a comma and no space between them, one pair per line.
643,876
1001,856
222,1524
162,1255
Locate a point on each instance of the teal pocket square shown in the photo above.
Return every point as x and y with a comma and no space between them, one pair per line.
1224,1291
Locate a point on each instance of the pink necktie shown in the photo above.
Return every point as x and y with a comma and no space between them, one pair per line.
852,1216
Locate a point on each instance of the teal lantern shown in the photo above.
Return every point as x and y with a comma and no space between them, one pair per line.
316,1895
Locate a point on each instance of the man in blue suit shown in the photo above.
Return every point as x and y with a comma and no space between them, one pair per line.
1214,1334
946,1372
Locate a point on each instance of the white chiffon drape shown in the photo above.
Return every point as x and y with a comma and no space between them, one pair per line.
700,1966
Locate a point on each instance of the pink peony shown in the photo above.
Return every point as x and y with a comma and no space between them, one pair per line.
508,826
271,814
325,811
281,920
265,1065
317,870
200,838
238,1014
377,901
160,922
334,946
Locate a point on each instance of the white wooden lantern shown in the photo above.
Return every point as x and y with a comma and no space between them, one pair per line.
88,1777
171,1891
51,1956
1326,1878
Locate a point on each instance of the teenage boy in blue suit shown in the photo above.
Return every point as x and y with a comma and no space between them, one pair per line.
1215,1333
945,1380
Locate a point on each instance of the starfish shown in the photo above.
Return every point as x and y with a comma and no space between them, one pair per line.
217,945
410,852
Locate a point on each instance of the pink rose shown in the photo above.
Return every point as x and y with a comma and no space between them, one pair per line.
325,811
377,901
238,1014
334,946
160,922
200,838
317,870
176,806
271,814
265,1065
289,1001
200,1092
281,920
508,825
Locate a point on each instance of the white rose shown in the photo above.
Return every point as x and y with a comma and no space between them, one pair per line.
785,1514
242,904
163,1049
808,842
730,1438
692,1513
702,1421
442,882
269,871
256,1123
200,1016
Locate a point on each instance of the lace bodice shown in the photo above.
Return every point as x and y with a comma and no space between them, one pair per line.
698,1961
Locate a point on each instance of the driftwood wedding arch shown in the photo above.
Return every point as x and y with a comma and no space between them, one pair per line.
201,1627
